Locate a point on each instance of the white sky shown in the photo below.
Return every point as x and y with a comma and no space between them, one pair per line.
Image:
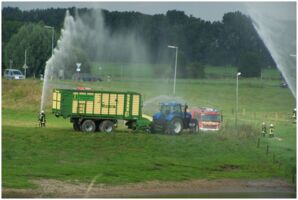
206,10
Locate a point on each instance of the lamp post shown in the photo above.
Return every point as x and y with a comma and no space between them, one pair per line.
53,32
236,114
175,73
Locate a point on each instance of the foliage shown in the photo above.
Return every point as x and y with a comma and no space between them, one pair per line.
195,70
36,40
51,16
217,43
9,28
250,65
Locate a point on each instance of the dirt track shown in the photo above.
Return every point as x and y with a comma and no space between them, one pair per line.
197,188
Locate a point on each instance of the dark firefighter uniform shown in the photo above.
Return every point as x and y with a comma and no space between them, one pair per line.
271,130
264,129
42,119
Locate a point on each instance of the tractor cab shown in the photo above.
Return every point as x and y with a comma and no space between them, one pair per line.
172,118
168,108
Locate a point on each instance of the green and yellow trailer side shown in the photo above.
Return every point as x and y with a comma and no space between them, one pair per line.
91,110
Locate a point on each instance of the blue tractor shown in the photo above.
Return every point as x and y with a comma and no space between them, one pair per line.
173,118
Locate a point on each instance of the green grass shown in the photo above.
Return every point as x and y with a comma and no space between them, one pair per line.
229,72
57,152
122,157
120,70
127,70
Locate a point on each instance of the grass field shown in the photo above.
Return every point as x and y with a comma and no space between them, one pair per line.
119,70
57,152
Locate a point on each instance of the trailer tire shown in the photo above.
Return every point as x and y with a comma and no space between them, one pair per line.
106,126
88,126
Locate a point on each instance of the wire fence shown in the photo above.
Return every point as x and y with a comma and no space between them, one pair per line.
289,171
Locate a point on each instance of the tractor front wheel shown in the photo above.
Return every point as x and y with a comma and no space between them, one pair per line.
88,126
176,126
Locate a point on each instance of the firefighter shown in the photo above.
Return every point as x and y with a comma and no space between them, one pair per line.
294,114
42,119
264,129
271,130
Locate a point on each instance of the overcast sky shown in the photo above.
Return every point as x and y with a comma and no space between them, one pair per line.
205,10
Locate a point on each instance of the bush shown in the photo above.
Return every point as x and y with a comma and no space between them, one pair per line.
196,70
250,65
229,131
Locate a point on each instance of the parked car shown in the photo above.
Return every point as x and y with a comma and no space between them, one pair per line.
86,77
13,74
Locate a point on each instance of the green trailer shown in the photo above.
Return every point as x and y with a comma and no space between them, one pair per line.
91,110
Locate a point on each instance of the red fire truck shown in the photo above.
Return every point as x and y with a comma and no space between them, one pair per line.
209,119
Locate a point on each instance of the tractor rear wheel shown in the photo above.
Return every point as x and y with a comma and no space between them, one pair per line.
175,126
88,126
106,126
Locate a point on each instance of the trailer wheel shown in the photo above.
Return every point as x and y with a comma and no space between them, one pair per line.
88,126
106,126
175,126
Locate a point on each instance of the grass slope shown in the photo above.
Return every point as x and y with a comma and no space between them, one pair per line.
57,152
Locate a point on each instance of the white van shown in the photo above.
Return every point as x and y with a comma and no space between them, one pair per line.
13,74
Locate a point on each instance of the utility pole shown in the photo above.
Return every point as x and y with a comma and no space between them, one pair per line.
53,32
25,67
10,63
122,72
236,114
175,72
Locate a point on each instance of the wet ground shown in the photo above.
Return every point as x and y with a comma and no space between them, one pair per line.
225,188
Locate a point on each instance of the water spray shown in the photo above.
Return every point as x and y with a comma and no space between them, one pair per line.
89,35
276,25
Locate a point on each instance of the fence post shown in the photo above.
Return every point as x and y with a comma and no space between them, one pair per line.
293,175
258,143
273,158
267,150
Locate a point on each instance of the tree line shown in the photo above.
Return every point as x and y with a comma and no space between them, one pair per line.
232,41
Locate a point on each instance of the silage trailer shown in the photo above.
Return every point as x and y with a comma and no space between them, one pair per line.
91,110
